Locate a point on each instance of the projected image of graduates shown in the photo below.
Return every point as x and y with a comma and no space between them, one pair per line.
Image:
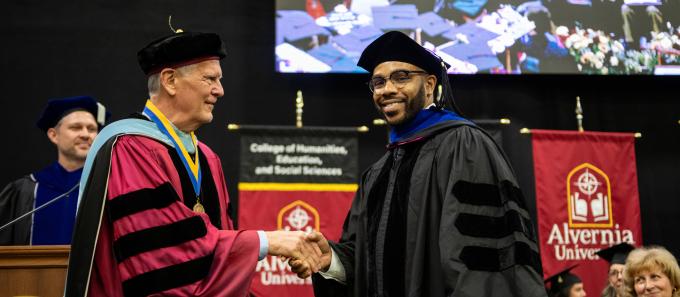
621,37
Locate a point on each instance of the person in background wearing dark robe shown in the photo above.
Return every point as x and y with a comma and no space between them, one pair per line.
565,284
441,213
153,217
71,124
616,256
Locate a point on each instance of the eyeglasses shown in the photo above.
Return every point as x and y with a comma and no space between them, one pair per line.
615,272
398,78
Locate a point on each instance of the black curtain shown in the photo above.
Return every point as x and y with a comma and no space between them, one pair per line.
64,48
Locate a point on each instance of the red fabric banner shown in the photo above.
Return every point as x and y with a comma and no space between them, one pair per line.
290,210
586,199
298,180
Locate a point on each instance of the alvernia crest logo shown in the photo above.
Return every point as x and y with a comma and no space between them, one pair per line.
298,216
589,196
591,223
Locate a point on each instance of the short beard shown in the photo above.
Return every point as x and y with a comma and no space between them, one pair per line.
413,107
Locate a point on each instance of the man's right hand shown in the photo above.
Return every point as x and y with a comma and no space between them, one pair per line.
296,246
300,267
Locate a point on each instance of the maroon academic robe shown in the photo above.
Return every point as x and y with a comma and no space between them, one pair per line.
152,243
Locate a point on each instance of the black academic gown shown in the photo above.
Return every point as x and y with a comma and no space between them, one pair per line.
16,199
440,214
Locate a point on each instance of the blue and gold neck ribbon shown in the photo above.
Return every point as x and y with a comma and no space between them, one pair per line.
193,168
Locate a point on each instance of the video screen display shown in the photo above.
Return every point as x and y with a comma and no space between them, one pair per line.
620,37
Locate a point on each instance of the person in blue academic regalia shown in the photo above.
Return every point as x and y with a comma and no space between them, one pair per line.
71,124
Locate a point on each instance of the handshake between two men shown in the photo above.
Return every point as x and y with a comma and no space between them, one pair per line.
307,253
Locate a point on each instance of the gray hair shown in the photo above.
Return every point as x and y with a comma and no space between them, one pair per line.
153,83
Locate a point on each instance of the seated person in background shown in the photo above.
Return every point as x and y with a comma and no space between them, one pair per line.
652,271
71,125
616,256
565,284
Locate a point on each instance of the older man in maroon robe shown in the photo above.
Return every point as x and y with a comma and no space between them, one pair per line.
152,214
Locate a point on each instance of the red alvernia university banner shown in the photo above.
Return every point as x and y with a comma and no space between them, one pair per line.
586,199
298,180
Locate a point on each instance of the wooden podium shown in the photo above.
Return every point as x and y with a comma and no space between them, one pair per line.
33,270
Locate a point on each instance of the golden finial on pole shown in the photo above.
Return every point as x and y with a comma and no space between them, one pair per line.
299,104
171,28
579,114
379,122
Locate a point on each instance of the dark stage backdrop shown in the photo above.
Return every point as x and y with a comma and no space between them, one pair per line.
65,48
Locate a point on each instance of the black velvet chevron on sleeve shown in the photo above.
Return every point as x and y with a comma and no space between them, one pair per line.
166,278
150,239
141,200
155,238
486,226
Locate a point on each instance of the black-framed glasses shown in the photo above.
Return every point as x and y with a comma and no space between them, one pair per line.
615,273
399,78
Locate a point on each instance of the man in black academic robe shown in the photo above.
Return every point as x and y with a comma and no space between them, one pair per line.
71,124
440,214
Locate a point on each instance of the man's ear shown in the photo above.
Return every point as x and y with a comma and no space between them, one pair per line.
52,135
430,85
168,80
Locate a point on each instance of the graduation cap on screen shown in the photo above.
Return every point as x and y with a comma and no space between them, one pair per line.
561,280
56,109
294,25
395,17
180,49
397,46
478,54
433,24
331,56
474,49
474,33
469,7
616,254
358,39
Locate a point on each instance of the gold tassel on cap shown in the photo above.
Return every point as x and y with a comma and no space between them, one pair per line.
171,28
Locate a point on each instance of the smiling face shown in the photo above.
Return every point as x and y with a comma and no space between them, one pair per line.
653,283
197,89
402,97
73,135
